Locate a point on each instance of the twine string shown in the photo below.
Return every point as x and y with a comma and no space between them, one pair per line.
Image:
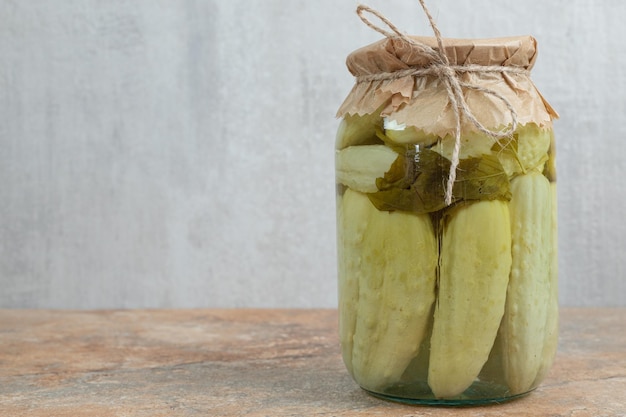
440,67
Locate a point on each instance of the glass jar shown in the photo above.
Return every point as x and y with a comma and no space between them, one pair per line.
446,295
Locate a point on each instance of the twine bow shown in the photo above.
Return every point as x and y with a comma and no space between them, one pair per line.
449,75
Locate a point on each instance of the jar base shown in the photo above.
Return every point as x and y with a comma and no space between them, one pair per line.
473,396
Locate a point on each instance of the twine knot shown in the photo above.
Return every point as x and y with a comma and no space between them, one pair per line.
449,75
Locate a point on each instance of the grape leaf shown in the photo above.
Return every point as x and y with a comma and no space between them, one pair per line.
416,182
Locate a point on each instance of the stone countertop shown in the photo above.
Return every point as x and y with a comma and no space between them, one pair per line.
257,362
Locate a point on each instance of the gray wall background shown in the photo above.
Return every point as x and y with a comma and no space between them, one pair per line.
159,153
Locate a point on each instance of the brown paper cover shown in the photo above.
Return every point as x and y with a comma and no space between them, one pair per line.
423,101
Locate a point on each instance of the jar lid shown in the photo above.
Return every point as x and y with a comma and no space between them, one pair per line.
389,55
422,101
